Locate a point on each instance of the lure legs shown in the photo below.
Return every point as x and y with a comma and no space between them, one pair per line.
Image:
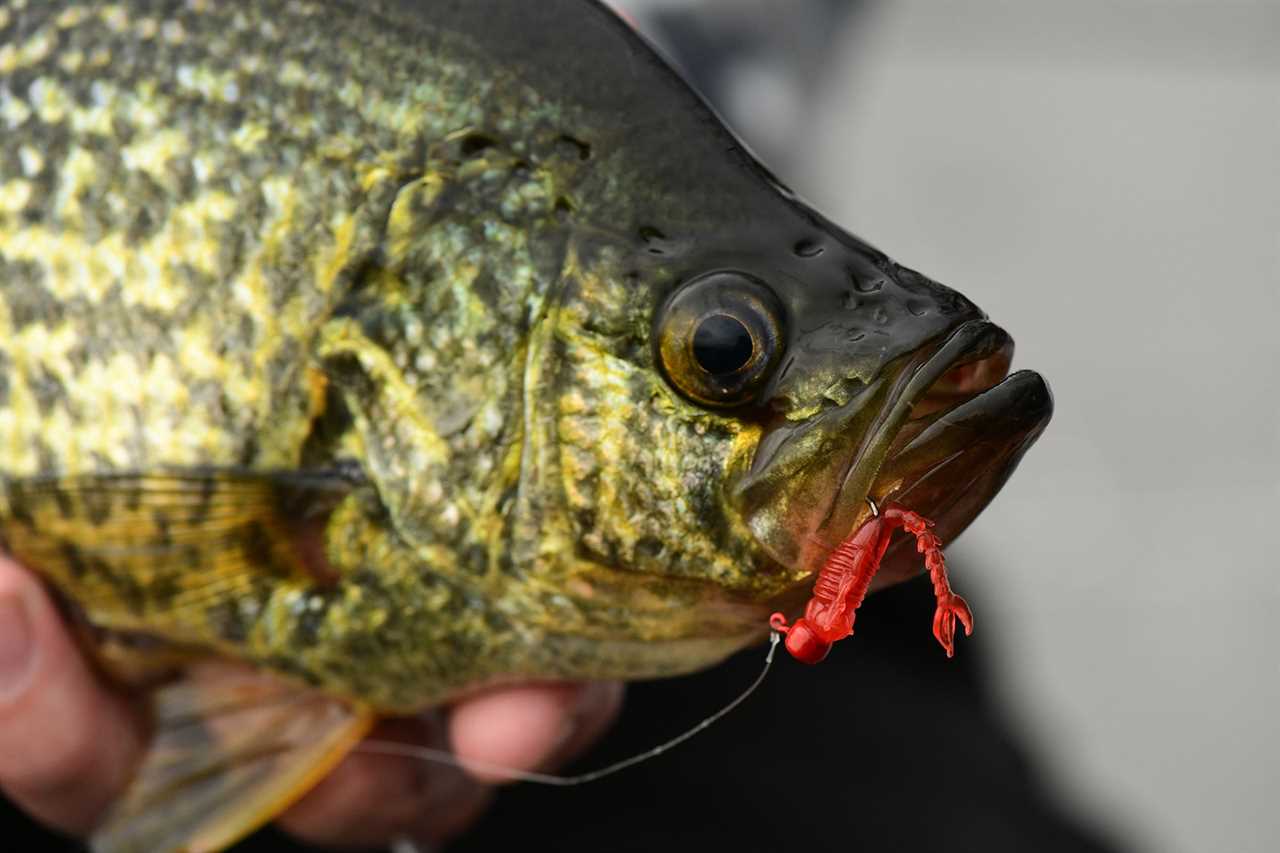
843,581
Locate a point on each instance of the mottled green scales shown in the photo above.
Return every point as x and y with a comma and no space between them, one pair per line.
224,245
340,338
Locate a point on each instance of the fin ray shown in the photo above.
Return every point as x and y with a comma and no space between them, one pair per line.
229,754
141,551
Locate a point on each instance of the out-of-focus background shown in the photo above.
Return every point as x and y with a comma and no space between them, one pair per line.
1103,177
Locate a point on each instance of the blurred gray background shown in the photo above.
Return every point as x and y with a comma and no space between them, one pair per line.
1104,179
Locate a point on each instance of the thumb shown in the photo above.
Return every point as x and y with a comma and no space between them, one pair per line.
68,744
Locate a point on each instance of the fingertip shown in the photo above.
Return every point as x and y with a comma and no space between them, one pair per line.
598,707
371,799
513,727
67,744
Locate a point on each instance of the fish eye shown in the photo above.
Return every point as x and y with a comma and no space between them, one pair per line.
718,337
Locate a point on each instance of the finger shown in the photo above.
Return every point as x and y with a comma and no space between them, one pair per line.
68,745
370,800
596,712
525,727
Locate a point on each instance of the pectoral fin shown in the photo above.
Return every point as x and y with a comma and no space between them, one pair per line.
154,552
232,749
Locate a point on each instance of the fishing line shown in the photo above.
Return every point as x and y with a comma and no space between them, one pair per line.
441,756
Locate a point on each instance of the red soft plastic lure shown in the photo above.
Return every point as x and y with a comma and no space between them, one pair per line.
843,580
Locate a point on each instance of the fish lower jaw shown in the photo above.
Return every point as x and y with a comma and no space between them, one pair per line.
950,463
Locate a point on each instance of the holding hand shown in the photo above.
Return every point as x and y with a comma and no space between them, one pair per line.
69,743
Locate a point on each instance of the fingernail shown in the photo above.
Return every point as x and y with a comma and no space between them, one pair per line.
16,644
576,714
594,699
568,729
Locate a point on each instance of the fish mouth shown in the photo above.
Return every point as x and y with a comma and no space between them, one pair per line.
939,430
956,428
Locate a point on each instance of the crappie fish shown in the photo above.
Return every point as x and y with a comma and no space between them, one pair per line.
401,348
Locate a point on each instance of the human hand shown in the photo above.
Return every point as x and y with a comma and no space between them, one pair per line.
69,743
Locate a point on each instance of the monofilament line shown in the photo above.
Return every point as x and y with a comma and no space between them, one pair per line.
440,756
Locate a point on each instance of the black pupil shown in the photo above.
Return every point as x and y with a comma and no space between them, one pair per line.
722,344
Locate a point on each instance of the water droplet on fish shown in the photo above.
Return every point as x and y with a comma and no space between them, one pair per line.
807,249
654,239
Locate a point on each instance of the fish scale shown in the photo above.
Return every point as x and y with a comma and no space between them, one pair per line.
249,255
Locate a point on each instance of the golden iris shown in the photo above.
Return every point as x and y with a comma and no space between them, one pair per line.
719,337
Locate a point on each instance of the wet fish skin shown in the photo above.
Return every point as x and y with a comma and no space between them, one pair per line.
231,243
326,339
359,341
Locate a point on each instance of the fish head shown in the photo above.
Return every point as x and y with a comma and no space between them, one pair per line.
733,396
718,377
873,383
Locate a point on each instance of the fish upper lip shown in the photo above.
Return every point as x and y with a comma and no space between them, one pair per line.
970,342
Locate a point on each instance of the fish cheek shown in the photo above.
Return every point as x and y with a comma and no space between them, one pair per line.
644,472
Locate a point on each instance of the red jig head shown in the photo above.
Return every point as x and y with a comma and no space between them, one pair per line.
843,580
